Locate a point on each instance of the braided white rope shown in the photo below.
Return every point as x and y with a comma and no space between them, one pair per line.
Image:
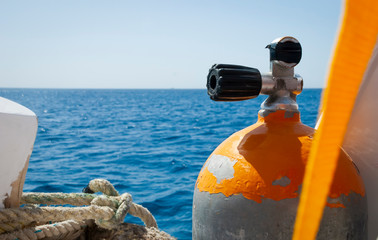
69,229
107,210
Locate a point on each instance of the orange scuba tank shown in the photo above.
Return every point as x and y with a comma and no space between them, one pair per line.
250,185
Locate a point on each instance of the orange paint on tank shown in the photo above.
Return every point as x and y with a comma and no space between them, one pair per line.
335,205
275,147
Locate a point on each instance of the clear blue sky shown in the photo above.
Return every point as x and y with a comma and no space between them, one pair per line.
155,44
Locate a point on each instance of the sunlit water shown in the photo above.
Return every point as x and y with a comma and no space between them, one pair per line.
150,143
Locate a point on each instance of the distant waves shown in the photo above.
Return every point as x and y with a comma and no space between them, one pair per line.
150,143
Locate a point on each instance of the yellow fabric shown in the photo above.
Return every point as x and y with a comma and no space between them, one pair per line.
356,41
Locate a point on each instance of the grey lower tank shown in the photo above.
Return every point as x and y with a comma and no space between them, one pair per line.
216,216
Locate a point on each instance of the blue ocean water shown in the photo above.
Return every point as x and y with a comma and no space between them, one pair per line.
150,143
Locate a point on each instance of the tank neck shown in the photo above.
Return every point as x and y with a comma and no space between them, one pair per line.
282,86
280,116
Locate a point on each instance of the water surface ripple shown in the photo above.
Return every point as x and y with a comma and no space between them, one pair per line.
150,143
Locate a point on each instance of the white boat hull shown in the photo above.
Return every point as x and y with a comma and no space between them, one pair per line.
18,129
361,140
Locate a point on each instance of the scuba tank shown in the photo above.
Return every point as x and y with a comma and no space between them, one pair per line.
250,185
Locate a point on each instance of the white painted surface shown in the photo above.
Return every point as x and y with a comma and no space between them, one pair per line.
361,140
221,167
18,129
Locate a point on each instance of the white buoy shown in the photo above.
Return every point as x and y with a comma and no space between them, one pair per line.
18,129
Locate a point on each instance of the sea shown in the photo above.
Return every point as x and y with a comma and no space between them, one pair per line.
149,143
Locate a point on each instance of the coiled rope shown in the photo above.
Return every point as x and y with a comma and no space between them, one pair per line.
108,211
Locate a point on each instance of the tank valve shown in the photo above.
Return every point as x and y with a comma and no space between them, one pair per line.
227,82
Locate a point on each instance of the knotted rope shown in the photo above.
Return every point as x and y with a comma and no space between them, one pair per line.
108,211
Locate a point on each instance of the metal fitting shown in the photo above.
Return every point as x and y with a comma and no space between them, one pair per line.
281,84
226,82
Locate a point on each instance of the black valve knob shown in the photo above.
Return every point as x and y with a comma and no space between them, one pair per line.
286,49
227,82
